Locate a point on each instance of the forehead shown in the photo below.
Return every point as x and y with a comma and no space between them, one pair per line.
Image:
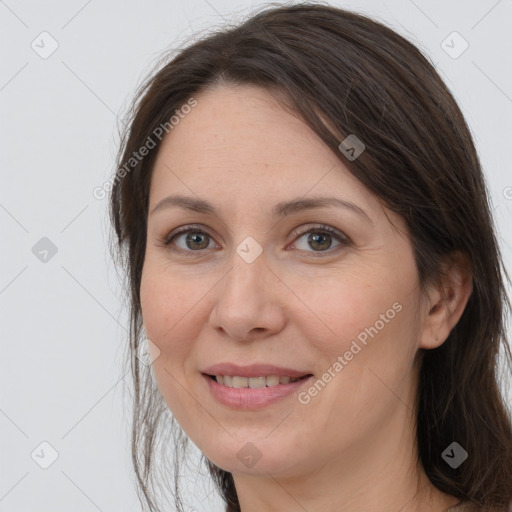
240,121
240,144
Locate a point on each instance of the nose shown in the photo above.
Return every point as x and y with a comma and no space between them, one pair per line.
248,302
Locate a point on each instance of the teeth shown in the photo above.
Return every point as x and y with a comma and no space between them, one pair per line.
240,382
257,382
234,381
273,380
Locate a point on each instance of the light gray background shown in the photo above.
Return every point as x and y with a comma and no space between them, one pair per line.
63,324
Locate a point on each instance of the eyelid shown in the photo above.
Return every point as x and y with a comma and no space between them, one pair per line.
320,227
297,233
184,229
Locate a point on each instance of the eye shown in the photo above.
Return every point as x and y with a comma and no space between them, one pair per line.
191,240
320,239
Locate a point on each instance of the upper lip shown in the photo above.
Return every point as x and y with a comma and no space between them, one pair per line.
253,370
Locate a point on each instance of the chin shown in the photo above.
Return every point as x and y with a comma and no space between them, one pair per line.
256,455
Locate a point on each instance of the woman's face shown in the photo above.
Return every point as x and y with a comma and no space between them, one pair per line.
250,283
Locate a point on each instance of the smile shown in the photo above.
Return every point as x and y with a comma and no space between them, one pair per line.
235,381
253,392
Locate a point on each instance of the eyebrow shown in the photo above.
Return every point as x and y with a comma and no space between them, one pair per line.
281,209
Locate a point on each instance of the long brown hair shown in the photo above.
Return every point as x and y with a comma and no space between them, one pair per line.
344,73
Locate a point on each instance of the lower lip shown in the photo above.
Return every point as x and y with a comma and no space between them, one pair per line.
248,398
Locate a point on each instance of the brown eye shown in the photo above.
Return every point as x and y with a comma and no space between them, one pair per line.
321,239
188,240
196,240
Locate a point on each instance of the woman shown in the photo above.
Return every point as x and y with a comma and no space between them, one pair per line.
309,249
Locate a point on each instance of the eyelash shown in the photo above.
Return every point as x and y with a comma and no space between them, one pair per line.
321,228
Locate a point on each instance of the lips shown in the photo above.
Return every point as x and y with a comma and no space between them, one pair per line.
254,370
247,397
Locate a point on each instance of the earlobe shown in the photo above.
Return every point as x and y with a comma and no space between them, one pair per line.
447,300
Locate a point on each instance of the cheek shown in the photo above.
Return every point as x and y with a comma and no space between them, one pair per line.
344,310
369,319
167,302
365,348
164,305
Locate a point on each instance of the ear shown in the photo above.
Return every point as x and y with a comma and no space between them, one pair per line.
446,300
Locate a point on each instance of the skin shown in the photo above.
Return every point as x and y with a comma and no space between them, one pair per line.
352,447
